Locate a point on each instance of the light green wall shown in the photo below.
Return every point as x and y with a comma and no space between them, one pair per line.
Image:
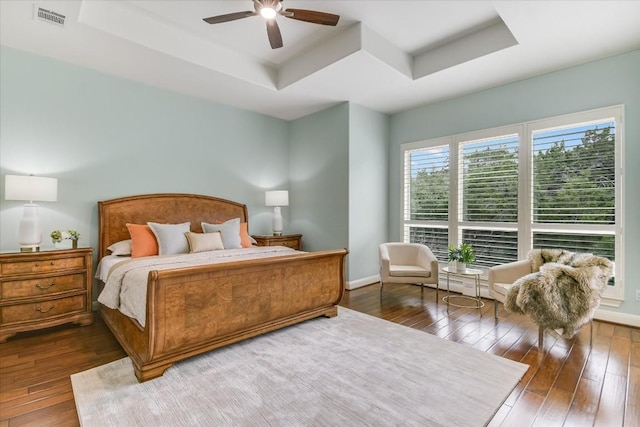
105,137
368,198
607,82
338,176
319,177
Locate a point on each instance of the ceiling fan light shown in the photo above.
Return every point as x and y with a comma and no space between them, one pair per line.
268,12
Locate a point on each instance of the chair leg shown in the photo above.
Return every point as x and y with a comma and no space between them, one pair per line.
591,333
422,290
495,308
540,340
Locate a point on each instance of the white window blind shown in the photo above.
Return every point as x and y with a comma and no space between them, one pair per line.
492,246
489,183
426,189
436,238
427,183
574,174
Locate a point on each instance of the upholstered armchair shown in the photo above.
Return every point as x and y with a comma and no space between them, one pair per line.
559,290
500,279
408,263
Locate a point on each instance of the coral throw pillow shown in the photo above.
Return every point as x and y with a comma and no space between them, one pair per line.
143,241
245,239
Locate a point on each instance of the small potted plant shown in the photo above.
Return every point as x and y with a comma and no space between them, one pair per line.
460,257
58,237
454,258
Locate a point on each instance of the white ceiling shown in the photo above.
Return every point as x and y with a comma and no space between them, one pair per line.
385,55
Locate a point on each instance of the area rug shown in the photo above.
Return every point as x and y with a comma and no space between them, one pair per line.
350,370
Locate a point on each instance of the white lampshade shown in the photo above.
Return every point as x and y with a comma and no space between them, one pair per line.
276,198
30,188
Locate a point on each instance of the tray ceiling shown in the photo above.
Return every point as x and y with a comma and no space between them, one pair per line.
385,55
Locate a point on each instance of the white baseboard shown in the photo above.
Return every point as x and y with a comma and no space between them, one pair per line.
455,286
615,317
355,284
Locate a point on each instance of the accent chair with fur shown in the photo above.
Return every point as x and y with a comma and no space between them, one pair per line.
563,291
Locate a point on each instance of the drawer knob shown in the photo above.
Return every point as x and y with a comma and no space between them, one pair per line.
38,264
38,308
45,287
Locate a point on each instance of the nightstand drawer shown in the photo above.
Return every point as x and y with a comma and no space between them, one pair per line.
42,310
42,286
41,265
291,243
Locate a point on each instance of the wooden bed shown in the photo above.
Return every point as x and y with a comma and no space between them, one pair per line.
193,310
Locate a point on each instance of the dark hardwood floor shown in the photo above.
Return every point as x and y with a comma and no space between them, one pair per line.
568,386
35,369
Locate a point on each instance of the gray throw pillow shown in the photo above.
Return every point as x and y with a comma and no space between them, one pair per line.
171,238
230,231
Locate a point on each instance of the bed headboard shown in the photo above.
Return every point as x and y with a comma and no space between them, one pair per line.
163,208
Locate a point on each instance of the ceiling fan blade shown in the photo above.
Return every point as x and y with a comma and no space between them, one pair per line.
312,16
273,30
229,17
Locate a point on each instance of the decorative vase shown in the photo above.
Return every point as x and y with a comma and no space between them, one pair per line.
460,266
64,244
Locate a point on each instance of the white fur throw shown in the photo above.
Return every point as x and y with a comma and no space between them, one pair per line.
563,291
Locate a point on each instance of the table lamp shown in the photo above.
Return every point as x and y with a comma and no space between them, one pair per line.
30,188
276,199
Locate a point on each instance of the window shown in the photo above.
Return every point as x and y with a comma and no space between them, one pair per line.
426,209
488,198
552,183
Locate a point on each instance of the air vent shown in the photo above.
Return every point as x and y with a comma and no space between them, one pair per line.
48,15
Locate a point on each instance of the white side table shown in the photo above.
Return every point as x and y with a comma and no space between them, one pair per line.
467,272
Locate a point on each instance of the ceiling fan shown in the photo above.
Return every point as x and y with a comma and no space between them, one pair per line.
269,9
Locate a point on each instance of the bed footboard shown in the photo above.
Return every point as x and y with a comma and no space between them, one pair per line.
194,310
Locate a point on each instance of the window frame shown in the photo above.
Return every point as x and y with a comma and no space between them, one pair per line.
613,295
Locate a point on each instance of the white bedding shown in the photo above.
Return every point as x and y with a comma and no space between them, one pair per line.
125,278
105,264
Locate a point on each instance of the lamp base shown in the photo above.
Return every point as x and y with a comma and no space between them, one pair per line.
29,233
277,221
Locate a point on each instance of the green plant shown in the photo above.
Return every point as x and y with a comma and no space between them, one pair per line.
464,253
467,256
454,253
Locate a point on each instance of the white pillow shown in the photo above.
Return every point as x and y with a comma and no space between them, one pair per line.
171,238
122,248
201,242
230,231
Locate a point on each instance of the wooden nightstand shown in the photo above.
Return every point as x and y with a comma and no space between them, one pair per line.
293,241
43,289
